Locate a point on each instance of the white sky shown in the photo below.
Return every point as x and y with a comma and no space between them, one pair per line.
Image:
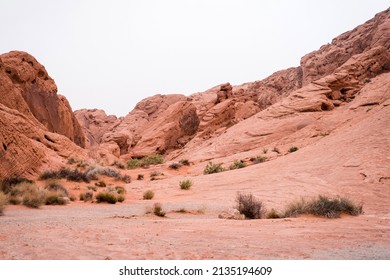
111,54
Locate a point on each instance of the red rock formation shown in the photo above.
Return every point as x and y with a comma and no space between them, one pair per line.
30,80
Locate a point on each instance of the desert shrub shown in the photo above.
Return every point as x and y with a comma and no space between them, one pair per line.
121,198
119,164
153,159
120,190
71,160
72,197
265,150
86,196
100,184
54,198
93,174
54,186
237,164
213,168
186,184
3,202
133,163
324,206
258,159
14,200
273,214
324,133
140,177
175,165
6,185
158,211
249,206
92,188
184,162
154,174
292,149
33,199
276,150
148,195
108,197
65,173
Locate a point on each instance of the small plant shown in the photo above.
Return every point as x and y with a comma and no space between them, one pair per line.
367,80
100,184
120,190
119,164
175,166
157,210
148,195
108,197
92,188
154,174
121,198
8,184
153,159
265,150
273,214
186,184
71,160
292,149
133,163
237,164
184,162
33,199
213,168
3,203
258,159
54,186
276,150
140,177
86,196
324,133
249,206
55,198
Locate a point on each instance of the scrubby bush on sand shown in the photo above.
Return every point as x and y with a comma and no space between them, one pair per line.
108,197
213,168
293,149
237,164
249,206
175,165
258,159
3,202
329,207
185,184
146,161
55,198
184,162
158,211
86,196
148,195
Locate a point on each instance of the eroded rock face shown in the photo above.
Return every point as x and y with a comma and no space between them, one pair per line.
373,33
26,78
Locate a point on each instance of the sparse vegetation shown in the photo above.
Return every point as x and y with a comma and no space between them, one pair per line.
33,199
93,174
154,174
249,206
6,185
175,165
140,177
324,206
276,150
237,164
158,211
120,190
324,133
86,196
55,198
213,168
148,195
185,184
92,188
258,159
108,197
65,173
121,198
3,202
292,149
119,164
54,186
146,161
265,150
71,160
101,184
184,162
273,214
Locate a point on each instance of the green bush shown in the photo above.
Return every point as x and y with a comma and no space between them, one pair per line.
186,184
213,168
237,164
184,162
146,161
324,206
133,163
249,206
55,198
158,211
108,197
148,195
293,149
258,159
86,196
3,202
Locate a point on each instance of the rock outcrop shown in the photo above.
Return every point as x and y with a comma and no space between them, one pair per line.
37,126
25,78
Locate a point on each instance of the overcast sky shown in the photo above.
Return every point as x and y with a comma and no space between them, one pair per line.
111,54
